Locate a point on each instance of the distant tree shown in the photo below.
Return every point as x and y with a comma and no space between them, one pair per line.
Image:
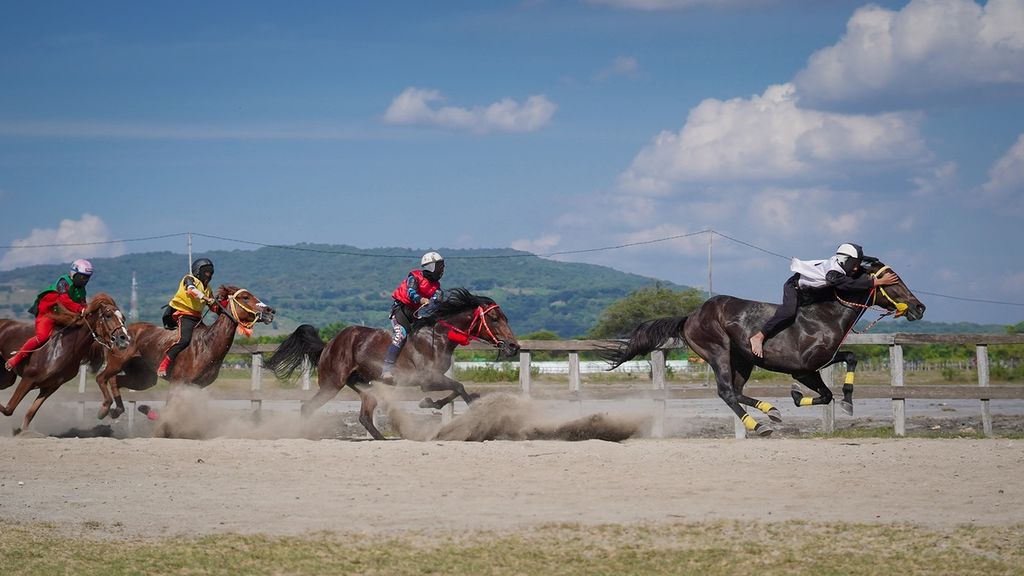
622,316
540,335
1016,328
328,332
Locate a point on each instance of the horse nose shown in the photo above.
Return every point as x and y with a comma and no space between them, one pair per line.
920,310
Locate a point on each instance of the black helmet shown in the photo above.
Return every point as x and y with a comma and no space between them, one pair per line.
199,264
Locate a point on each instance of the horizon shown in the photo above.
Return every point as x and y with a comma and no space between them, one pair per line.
606,132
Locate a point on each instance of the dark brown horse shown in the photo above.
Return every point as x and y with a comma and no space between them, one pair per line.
57,361
719,331
199,364
355,355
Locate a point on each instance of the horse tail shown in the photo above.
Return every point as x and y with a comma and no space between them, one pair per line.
645,338
305,342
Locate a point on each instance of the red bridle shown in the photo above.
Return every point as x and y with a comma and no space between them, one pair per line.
477,326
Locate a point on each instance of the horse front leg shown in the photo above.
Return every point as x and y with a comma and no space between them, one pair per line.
850,359
813,381
740,375
445,383
44,393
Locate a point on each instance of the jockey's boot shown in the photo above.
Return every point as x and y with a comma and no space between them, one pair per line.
12,364
165,366
389,363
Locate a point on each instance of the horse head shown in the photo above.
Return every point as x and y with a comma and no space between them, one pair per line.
468,317
243,307
106,322
897,298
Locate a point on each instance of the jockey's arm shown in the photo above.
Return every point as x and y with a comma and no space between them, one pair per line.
64,299
414,295
841,281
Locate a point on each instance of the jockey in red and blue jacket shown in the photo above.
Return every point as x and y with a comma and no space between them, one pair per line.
419,289
69,292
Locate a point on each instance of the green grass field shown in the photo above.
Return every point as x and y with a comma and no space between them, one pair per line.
726,548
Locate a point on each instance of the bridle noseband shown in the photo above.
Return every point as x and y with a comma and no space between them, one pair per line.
234,305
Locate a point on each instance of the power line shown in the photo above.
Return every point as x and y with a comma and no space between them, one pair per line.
478,257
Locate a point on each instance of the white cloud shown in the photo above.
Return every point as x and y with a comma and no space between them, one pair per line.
542,245
928,49
659,5
936,180
625,66
1005,185
88,229
413,107
769,137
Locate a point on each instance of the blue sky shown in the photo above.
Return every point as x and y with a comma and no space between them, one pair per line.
790,125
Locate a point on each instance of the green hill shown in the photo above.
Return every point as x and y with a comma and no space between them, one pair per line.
315,284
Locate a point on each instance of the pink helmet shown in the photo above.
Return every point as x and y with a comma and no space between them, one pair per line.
81,266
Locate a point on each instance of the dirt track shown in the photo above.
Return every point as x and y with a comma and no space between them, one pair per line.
153,487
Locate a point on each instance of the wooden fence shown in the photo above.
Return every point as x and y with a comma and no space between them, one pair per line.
658,392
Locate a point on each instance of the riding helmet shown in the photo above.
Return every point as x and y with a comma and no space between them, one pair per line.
849,256
81,266
433,265
199,264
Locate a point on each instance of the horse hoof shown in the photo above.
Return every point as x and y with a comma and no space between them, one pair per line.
847,407
102,413
796,394
763,431
473,397
116,412
428,403
774,415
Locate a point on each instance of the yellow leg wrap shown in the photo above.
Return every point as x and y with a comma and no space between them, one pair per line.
849,377
806,401
763,406
749,422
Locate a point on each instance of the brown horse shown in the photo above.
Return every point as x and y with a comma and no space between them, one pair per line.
719,331
199,364
57,361
355,355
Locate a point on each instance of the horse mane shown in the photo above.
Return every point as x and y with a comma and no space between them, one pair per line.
225,290
455,300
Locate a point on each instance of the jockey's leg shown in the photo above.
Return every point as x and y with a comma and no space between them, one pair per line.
398,337
44,326
186,324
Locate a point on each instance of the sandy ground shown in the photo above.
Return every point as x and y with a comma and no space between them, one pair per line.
156,487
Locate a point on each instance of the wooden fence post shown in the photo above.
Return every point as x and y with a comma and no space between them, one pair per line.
658,383
307,370
81,395
257,381
983,379
524,371
828,411
899,405
574,380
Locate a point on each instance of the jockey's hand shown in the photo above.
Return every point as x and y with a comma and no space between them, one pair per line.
424,301
887,279
210,301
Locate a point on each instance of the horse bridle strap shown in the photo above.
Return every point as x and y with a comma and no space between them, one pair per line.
901,307
479,322
235,305
110,345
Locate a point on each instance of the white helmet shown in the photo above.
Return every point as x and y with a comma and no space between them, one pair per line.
430,260
433,266
81,266
849,256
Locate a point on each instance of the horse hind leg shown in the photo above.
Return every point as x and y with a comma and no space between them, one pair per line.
850,359
730,396
456,388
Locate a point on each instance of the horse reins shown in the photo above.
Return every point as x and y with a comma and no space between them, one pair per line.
235,305
479,321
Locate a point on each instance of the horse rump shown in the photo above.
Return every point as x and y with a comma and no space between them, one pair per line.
646,337
304,342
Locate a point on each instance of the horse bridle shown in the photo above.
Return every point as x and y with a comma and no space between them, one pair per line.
234,304
121,326
476,326
901,307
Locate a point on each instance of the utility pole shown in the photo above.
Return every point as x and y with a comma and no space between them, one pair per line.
133,311
711,235
189,266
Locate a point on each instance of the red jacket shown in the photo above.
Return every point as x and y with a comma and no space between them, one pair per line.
409,294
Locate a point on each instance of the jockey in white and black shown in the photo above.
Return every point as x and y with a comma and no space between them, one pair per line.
840,272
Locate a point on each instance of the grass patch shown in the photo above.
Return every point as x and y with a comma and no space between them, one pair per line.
719,548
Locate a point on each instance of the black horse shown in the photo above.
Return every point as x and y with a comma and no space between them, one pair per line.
355,355
719,331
